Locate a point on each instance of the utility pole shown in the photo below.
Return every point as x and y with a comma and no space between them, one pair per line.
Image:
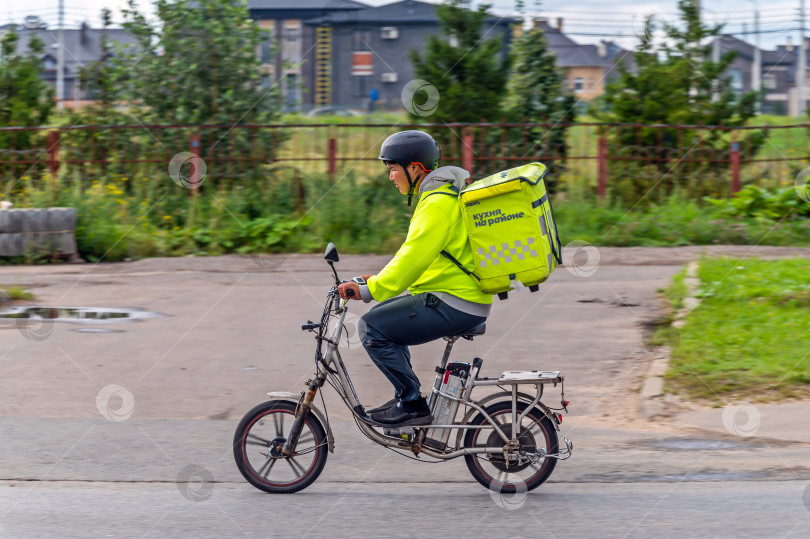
60,58
801,73
756,71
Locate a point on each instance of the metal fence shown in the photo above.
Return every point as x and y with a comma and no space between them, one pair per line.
593,157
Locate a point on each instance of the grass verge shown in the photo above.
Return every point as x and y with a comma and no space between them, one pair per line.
747,338
17,292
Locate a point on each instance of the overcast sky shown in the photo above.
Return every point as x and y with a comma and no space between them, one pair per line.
586,21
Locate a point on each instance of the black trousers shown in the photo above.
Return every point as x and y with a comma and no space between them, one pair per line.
393,325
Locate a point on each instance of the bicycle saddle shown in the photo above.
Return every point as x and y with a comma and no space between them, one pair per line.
480,329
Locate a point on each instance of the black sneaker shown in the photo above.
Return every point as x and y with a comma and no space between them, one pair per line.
384,407
405,413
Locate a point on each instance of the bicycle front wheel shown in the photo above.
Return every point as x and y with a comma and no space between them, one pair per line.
256,442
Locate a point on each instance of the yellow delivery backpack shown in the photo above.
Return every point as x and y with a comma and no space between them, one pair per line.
511,229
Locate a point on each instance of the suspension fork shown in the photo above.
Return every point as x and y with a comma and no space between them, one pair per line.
301,414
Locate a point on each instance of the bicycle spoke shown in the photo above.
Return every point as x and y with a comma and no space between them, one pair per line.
306,437
269,466
296,467
537,433
278,421
252,439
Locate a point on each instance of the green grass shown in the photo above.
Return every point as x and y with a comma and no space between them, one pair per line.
17,292
748,337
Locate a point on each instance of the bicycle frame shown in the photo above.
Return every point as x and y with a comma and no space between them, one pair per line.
330,366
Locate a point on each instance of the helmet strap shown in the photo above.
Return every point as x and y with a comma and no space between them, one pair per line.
411,184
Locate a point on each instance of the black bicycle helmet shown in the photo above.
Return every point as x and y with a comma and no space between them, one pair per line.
408,147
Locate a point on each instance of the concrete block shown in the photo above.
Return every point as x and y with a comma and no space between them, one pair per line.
32,230
11,244
35,220
61,219
15,220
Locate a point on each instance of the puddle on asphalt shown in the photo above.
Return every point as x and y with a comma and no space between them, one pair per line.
79,315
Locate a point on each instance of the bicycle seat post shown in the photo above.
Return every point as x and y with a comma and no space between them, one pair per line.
440,369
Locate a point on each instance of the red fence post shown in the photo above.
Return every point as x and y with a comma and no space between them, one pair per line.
467,151
53,151
601,179
734,157
331,155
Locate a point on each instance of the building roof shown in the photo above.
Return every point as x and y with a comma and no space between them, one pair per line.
782,56
403,12
325,5
572,54
82,46
555,38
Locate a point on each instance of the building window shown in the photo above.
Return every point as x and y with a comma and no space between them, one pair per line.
292,90
735,80
361,40
266,46
360,86
578,85
769,81
292,34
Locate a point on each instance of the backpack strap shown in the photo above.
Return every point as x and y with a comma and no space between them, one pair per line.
558,251
452,259
454,193
437,191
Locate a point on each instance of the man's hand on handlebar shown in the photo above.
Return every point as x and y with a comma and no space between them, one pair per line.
350,289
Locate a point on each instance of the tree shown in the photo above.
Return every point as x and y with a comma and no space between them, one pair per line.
678,85
96,77
25,100
197,65
535,94
468,72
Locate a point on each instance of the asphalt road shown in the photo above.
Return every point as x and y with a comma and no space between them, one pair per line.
61,510
101,431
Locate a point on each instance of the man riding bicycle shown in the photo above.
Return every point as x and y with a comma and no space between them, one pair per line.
442,300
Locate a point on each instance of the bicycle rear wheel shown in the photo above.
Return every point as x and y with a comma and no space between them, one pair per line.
490,469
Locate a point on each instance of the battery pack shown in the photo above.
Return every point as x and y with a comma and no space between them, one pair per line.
444,409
